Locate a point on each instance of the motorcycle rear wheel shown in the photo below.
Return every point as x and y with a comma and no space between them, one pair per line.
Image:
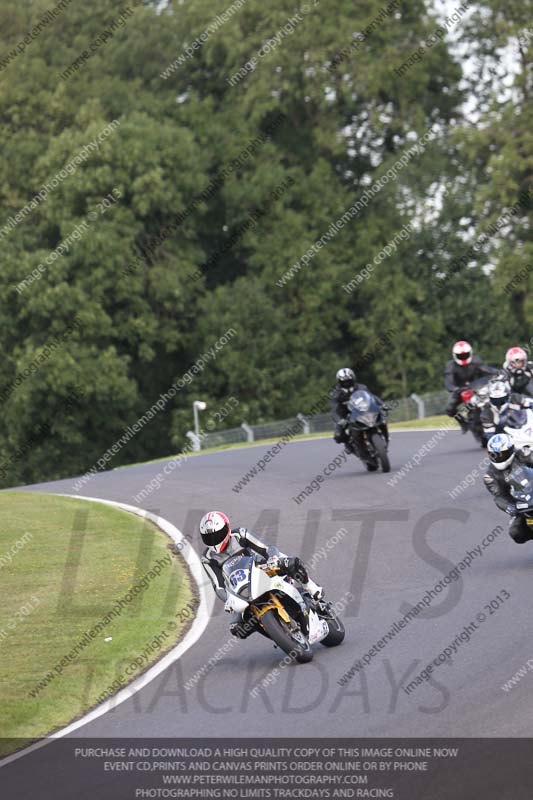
277,630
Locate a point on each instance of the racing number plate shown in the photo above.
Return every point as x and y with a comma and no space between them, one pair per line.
238,576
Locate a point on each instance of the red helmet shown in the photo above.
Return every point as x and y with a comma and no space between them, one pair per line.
515,358
215,530
462,353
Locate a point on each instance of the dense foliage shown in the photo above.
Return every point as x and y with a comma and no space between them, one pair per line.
228,161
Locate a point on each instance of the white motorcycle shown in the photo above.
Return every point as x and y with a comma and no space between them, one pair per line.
521,428
279,607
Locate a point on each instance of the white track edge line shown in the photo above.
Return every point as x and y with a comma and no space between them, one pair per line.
193,634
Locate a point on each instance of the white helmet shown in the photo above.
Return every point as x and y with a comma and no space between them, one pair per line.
215,530
462,353
499,394
346,377
515,359
501,450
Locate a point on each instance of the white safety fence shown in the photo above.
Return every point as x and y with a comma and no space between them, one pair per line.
402,410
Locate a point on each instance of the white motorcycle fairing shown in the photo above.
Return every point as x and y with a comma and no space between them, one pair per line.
523,436
260,585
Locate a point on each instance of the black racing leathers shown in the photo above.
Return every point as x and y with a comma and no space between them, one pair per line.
457,377
339,401
497,483
340,396
521,380
494,419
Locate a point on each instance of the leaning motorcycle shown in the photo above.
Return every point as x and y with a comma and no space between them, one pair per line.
367,430
521,487
279,608
469,412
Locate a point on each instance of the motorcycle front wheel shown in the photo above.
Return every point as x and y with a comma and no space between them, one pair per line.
294,644
336,633
381,450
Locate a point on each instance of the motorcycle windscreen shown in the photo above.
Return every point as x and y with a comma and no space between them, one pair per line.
517,418
521,485
481,383
237,571
364,408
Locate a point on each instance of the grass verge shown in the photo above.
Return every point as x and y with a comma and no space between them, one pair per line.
427,422
64,565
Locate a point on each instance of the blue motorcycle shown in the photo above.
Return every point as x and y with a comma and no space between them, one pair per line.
368,435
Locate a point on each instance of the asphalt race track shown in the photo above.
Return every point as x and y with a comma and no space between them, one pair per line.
398,541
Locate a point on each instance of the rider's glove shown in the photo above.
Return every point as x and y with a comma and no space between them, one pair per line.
511,510
300,572
273,562
295,568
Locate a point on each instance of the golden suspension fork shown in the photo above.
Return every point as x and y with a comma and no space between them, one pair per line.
273,605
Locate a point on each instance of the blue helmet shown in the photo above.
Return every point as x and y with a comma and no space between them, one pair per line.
501,450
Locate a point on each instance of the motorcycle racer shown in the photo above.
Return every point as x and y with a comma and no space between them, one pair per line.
223,542
503,456
494,413
344,388
460,371
519,370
